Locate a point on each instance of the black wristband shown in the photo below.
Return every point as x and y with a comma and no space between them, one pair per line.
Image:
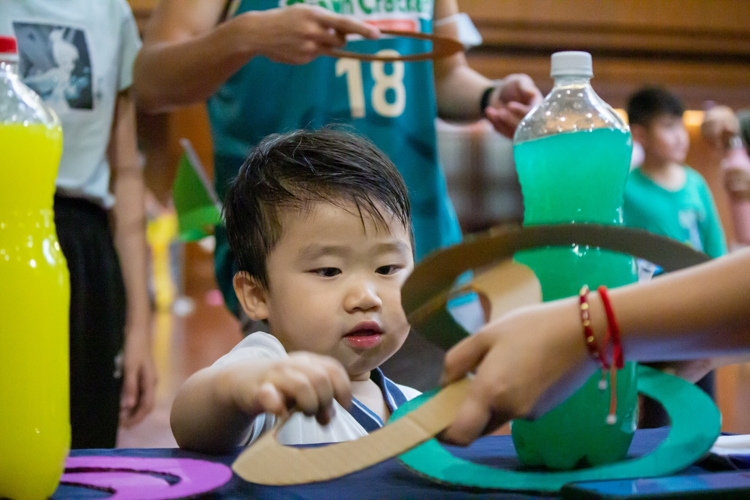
485,100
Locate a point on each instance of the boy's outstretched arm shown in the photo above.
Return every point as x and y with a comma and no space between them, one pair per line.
214,408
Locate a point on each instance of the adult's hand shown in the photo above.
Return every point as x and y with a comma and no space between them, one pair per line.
525,364
299,34
718,126
511,101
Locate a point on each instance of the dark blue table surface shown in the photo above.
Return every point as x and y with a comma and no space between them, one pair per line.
389,479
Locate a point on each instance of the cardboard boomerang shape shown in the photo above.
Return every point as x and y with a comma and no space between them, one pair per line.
441,47
424,297
268,462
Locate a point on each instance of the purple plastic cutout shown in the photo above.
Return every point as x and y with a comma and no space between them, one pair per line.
135,478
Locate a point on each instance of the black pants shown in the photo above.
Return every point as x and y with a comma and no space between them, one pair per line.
97,321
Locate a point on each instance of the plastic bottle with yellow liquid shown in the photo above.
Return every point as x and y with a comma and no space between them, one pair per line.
34,294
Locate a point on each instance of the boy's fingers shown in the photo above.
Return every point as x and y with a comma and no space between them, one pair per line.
463,358
271,399
298,389
325,414
320,382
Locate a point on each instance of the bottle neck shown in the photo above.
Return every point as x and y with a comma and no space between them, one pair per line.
572,81
8,65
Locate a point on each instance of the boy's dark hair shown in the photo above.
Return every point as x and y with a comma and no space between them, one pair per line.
302,167
651,102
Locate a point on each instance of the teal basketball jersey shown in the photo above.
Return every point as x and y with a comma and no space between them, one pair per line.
393,104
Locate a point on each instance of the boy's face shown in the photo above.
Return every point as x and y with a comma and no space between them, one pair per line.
335,285
665,140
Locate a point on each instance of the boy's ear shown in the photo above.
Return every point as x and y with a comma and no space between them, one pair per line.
640,134
251,295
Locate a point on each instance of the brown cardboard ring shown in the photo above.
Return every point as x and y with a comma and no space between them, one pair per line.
431,284
441,47
270,463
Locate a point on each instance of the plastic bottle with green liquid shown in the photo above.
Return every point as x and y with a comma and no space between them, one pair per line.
34,294
572,154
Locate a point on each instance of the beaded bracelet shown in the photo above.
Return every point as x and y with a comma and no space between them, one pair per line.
588,331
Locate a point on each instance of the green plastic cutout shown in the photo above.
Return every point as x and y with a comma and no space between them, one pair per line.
195,201
696,423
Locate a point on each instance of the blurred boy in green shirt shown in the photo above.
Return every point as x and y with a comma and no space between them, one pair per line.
663,195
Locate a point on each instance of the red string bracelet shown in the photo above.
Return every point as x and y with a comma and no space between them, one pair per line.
618,358
613,328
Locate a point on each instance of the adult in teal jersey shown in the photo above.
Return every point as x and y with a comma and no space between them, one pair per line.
257,64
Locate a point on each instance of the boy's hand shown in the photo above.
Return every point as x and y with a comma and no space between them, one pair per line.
305,381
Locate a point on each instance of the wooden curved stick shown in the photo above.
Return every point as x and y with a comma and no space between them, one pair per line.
441,47
268,462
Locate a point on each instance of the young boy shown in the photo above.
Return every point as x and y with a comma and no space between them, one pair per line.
666,197
320,223
663,195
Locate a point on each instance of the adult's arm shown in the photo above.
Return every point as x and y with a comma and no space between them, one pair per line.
130,242
459,89
531,360
187,54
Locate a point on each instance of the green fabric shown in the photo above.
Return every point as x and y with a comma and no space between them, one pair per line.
688,215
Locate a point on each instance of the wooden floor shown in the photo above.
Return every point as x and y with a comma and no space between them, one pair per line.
184,344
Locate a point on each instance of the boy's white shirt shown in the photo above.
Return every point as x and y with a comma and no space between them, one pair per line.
299,429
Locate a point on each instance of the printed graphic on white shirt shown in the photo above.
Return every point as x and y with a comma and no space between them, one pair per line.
55,62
